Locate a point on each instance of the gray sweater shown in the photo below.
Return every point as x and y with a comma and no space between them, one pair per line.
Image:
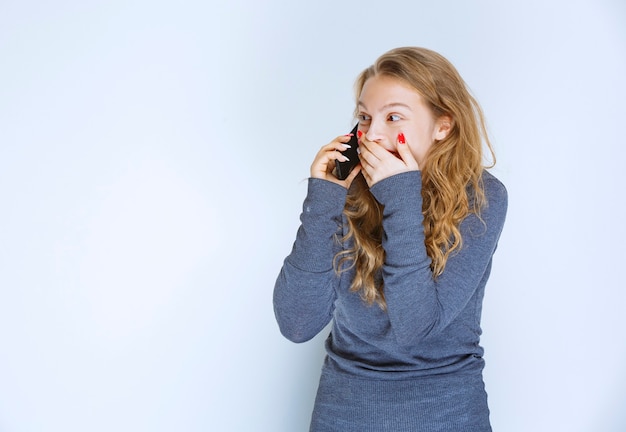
431,327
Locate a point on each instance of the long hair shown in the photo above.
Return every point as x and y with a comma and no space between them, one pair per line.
451,173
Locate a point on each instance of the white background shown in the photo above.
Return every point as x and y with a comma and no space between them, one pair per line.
152,165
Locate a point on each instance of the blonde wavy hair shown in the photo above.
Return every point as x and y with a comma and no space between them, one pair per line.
451,174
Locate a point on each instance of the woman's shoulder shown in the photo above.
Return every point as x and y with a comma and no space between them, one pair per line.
496,196
493,186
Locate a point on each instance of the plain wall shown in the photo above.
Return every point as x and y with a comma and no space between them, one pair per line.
153,158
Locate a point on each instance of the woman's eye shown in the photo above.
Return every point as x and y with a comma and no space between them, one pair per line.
393,117
364,118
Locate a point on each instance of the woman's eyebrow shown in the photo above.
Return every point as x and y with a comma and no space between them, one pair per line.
388,106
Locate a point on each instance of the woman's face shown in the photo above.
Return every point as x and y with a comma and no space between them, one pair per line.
388,106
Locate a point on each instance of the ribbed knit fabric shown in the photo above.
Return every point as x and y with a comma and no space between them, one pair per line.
418,365
446,403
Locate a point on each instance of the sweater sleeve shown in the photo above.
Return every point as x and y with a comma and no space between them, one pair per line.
419,305
304,292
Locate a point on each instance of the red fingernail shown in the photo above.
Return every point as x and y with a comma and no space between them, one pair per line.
359,134
401,138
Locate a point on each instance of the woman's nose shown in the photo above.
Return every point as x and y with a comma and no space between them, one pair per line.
374,132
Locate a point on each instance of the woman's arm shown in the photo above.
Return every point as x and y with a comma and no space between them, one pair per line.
419,306
304,293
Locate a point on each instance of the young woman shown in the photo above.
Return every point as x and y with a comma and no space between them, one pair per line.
398,254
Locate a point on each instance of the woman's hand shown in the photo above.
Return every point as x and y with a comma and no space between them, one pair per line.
378,163
324,163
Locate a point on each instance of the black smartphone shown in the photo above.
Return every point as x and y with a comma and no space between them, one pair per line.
342,169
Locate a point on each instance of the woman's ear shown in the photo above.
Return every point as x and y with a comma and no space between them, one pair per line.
443,127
